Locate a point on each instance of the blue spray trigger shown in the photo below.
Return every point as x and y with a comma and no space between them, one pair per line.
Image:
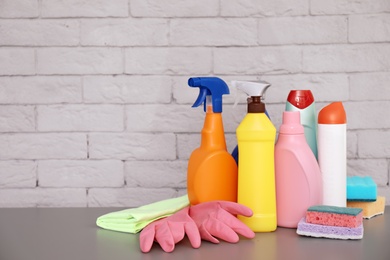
201,98
209,86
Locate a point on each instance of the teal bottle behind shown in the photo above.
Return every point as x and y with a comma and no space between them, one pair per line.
303,101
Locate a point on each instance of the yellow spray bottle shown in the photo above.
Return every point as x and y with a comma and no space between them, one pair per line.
256,170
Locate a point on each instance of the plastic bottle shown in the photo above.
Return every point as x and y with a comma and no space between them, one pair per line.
303,101
332,153
256,170
235,150
298,176
212,171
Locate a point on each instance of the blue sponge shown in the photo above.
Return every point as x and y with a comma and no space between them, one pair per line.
361,189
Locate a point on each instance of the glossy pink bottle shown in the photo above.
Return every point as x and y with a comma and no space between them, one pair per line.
297,174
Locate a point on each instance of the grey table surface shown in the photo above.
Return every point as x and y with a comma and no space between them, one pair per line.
71,233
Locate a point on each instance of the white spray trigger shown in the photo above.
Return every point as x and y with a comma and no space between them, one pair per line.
252,89
264,89
240,95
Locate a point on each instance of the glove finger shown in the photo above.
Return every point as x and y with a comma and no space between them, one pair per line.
193,234
146,238
164,237
235,224
220,230
235,208
177,231
205,234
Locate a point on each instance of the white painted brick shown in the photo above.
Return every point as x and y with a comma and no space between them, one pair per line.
79,61
385,192
17,61
128,197
186,143
136,146
17,118
127,89
324,87
352,144
369,28
80,173
264,8
84,8
346,58
102,41
18,174
374,143
257,60
213,32
174,8
38,90
164,118
275,111
40,197
232,117
231,141
367,114
302,30
181,192
43,146
168,61
124,32
19,8
156,174
39,32
376,168
80,118
370,86
349,6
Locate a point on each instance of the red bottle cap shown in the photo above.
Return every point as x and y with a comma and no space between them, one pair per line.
300,98
333,113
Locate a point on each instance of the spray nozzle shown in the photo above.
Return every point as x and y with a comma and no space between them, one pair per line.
209,87
256,94
252,89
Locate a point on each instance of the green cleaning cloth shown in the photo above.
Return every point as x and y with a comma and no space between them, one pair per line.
134,220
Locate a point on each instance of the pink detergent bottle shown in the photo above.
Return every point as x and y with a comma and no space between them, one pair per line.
297,174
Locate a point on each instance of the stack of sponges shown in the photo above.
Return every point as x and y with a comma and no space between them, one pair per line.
362,193
332,222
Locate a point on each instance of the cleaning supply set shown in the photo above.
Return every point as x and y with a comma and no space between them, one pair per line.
295,180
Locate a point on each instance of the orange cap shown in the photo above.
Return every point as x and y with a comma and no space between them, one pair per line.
333,113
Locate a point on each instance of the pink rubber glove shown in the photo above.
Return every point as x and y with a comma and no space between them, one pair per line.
215,219
169,231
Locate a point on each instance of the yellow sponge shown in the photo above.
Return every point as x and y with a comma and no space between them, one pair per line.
370,209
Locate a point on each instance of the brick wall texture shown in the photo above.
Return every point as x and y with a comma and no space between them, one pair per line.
95,110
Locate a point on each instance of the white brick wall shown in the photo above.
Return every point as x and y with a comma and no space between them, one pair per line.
94,104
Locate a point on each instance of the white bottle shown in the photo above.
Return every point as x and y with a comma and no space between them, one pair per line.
332,153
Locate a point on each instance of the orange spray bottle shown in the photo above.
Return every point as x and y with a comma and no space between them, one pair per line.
212,171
